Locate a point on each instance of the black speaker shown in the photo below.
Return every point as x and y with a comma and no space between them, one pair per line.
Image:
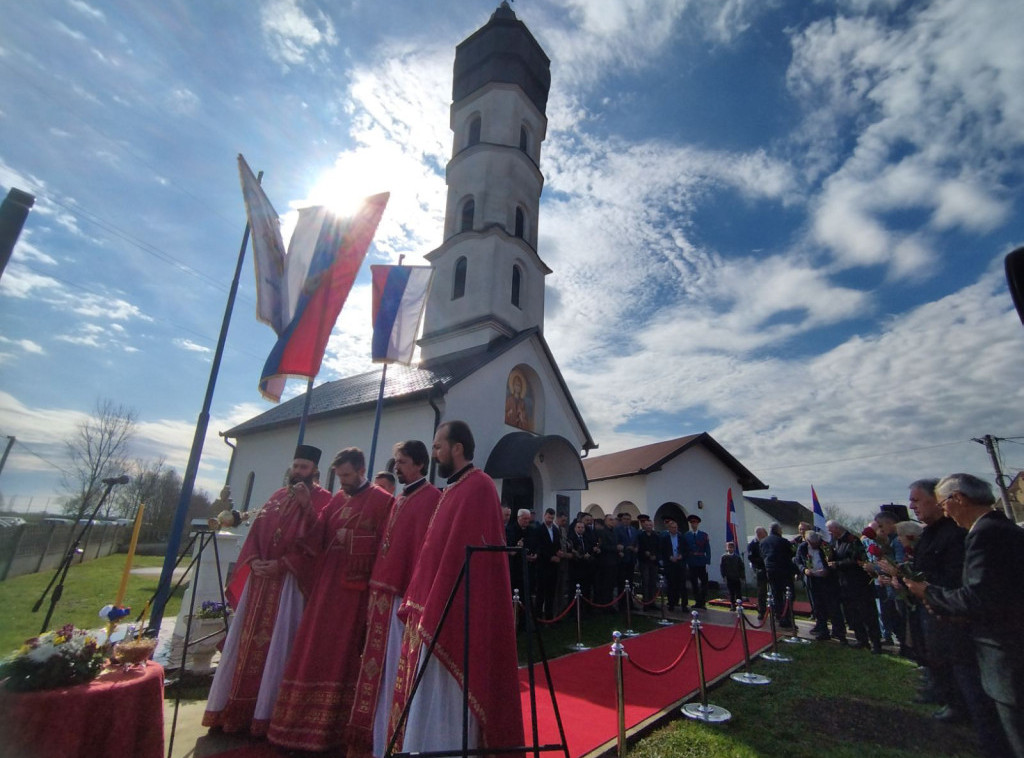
899,511
1015,278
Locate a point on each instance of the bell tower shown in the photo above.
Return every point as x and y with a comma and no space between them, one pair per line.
489,279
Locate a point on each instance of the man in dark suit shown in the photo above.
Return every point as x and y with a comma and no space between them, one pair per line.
991,598
547,541
673,558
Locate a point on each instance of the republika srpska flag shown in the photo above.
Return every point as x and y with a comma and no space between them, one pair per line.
399,296
301,292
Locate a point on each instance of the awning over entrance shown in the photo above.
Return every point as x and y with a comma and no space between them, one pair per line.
516,454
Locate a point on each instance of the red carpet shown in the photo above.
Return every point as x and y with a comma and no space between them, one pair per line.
585,683
585,686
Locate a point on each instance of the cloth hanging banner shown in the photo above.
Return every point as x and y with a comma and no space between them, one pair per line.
267,251
819,515
399,297
324,257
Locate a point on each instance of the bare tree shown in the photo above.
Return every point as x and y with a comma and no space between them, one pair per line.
143,487
835,513
97,450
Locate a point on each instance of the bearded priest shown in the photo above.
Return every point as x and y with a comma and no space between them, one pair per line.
319,681
272,577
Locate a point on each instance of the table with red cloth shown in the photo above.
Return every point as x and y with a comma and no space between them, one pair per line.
120,713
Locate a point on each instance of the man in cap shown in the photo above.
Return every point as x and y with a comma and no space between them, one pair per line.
698,558
272,578
318,684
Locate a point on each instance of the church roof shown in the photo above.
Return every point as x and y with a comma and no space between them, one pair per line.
404,383
647,459
787,512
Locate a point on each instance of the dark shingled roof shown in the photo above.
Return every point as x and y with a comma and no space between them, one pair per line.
649,458
404,383
783,511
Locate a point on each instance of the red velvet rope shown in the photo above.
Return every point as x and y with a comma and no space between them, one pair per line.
735,630
592,604
560,616
755,625
645,603
659,672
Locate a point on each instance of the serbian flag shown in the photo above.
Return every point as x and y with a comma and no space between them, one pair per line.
730,510
819,515
324,256
399,296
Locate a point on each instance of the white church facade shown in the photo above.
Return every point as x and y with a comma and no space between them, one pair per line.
484,359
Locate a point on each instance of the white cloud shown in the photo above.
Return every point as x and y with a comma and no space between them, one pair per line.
935,113
293,36
27,345
187,344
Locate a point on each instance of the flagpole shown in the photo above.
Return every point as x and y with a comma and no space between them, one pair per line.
376,420
163,590
305,411
380,405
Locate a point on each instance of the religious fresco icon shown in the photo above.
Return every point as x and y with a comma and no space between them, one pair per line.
519,401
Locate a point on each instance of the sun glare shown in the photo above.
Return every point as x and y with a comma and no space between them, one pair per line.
346,184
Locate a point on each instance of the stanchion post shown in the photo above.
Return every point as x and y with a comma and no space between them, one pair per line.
703,711
794,638
618,652
664,621
629,611
747,676
579,621
774,655
515,608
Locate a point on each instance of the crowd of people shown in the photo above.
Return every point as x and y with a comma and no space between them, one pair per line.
337,643
602,555
947,588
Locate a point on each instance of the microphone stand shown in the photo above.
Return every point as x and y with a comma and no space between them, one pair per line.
65,564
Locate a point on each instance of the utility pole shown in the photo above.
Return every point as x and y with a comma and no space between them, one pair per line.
990,445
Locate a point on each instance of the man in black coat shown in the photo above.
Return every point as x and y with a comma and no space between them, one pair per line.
757,563
856,591
991,598
777,553
547,542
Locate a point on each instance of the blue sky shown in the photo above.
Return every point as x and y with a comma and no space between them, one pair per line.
779,222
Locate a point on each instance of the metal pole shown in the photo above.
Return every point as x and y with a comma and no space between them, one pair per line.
619,652
747,677
189,479
579,621
774,655
794,638
376,420
663,621
7,451
305,413
702,711
629,611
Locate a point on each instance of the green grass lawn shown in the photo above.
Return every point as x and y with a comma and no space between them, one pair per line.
88,588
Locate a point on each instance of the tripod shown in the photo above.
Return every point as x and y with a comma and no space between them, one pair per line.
62,570
205,538
532,631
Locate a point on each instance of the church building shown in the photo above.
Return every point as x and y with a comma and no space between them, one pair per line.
484,359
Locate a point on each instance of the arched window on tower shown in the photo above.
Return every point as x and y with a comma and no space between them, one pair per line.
520,223
474,132
517,283
459,285
467,216
524,139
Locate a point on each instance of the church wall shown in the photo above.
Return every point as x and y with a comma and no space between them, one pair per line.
610,492
268,454
502,110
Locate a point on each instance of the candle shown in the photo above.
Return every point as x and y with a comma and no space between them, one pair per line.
127,565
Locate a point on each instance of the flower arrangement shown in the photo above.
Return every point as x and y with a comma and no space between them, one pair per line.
211,609
59,658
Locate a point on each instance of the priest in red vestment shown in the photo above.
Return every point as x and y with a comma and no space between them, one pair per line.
316,695
272,576
400,545
468,514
